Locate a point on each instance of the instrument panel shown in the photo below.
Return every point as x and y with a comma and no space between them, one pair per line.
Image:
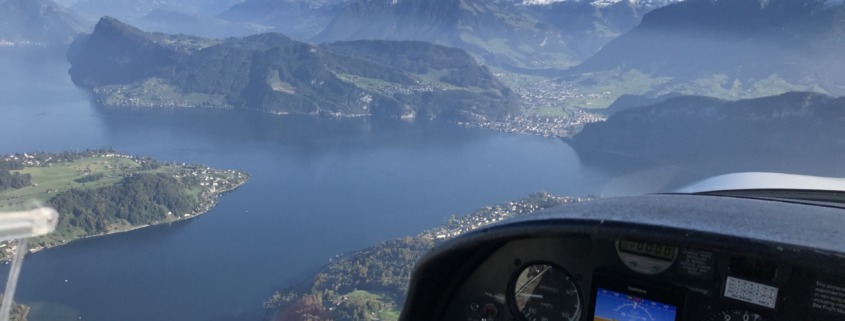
673,257
580,278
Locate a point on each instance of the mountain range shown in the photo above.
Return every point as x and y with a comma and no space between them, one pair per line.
726,49
731,49
38,22
604,3
799,125
270,72
193,17
300,19
510,34
519,36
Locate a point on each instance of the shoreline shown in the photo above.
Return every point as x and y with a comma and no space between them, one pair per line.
530,124
207,208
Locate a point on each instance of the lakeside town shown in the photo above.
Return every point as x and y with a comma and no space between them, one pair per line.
546,126
487,215
544,93
539,96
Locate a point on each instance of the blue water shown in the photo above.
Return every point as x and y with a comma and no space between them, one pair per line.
319,187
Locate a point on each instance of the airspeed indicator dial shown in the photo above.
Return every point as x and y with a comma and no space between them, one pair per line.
544,292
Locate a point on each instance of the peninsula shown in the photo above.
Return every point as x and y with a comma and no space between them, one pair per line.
99,192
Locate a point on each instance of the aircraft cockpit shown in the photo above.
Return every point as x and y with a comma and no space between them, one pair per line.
728,255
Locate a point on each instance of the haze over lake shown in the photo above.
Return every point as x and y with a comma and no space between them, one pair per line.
319,187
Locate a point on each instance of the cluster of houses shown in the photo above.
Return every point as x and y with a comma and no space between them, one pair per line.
492,214
422,86
546,126
540,92
214,183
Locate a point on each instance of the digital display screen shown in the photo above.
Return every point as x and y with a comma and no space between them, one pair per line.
751,292
614,306
657,251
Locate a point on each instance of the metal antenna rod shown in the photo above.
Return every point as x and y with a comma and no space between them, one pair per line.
12,282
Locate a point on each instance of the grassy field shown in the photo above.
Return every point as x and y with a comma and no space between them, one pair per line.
602,89
57,178
360,298
158,92
364,82
519,53
433,76
495,46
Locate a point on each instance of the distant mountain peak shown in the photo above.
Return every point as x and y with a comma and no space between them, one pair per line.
40,22
111,23
112,26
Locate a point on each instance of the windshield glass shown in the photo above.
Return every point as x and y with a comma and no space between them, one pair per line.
293,159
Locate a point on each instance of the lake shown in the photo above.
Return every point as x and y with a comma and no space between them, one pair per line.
319,187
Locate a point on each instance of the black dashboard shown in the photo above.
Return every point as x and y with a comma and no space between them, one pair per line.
651,258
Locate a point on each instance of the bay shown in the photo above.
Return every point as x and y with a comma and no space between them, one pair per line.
319,187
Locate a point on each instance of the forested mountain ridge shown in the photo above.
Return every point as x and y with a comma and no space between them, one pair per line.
795,124
272,73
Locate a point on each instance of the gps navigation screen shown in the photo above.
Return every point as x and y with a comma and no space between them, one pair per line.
615,306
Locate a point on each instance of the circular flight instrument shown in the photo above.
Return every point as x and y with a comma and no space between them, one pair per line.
543,291
736,315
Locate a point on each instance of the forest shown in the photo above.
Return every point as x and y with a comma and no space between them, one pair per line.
13,180
138,199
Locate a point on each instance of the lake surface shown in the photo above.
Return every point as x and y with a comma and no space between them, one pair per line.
319,187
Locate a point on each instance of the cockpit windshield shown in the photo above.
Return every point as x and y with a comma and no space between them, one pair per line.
293,159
